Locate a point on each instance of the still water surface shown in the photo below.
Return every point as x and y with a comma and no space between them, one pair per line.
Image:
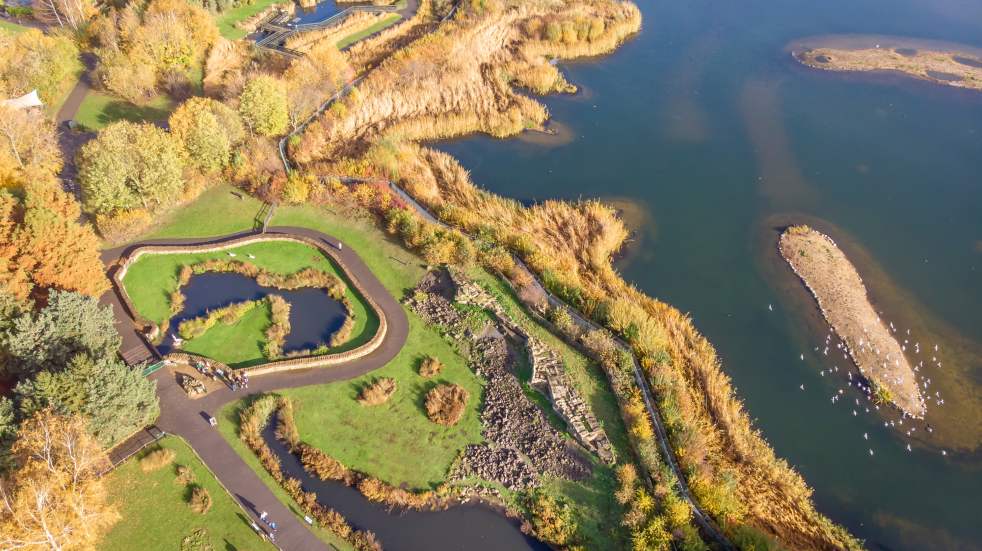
716,138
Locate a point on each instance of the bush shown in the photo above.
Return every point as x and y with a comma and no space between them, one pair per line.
156,459
320,464
378,392
280,327
263,106
200,500
430,367
185,475
445,404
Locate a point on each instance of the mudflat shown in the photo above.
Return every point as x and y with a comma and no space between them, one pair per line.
943,66
841,295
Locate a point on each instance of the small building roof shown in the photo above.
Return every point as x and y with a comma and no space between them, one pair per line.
28,100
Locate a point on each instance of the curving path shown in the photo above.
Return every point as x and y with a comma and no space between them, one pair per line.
187,418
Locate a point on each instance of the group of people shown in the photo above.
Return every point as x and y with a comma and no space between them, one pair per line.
234,380
270,532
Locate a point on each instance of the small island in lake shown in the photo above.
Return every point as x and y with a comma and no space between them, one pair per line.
842,298
939,63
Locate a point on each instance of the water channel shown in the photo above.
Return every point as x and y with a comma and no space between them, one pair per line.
313,314
468,527
712,137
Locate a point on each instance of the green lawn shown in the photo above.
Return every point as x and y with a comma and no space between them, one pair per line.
98,110
151,279
368,31
394,441
12,28
239,344
227,19
154,510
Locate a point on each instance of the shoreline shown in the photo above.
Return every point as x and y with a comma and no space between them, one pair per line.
853,318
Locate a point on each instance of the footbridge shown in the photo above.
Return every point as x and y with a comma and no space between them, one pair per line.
278,27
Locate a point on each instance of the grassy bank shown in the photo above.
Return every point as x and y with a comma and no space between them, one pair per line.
227,19
369,31
238,344
155,511
98,110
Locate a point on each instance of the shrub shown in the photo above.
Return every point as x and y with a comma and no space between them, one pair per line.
430,367
320,464
297,188
552,519
280,327
185,475
445,404
156,459
378,392
195,327
200,500
263,106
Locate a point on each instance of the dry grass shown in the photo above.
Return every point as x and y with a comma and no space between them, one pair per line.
200,500
157,459
430,367
445,404
378,392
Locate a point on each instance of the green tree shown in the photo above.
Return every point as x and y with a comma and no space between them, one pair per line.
129,165
115,399
71,324
206,130
263,106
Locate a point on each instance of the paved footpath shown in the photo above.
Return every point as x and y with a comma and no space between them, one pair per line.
187,418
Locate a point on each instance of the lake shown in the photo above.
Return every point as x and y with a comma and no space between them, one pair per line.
713,138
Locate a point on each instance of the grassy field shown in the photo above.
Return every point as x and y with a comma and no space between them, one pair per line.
10,27
152,278
227,19
368,31
239,344
98,110
417,452
155,513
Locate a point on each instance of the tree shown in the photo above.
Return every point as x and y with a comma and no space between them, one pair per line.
60,252
72,14
263,106
71,324
115,399
15,280
313,78
32,60
54,498
129,165
28,147
206,130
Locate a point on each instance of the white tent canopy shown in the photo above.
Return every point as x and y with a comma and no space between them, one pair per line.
30,99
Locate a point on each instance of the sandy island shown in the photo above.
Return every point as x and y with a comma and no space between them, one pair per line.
841,296
937,62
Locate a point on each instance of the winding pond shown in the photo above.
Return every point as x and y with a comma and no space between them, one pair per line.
313,314
706,123
470,527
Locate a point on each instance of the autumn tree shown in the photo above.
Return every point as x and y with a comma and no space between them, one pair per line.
28,146
206,131
114,398
263,106
313,78
15,280
54,499
32,60
71,324
137,44
129,165
71,14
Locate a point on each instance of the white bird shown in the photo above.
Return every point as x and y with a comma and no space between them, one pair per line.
231,254
865,436
252,256
770,307
944,452
802,387
802,357
908,447
854,413
871,451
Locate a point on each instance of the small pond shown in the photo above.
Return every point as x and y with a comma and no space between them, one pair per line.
319,12
313,314
470,527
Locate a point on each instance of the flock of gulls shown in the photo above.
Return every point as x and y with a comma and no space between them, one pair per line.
867,403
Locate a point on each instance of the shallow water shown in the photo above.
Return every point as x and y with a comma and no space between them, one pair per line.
318,13
313,314
464,527
706,121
